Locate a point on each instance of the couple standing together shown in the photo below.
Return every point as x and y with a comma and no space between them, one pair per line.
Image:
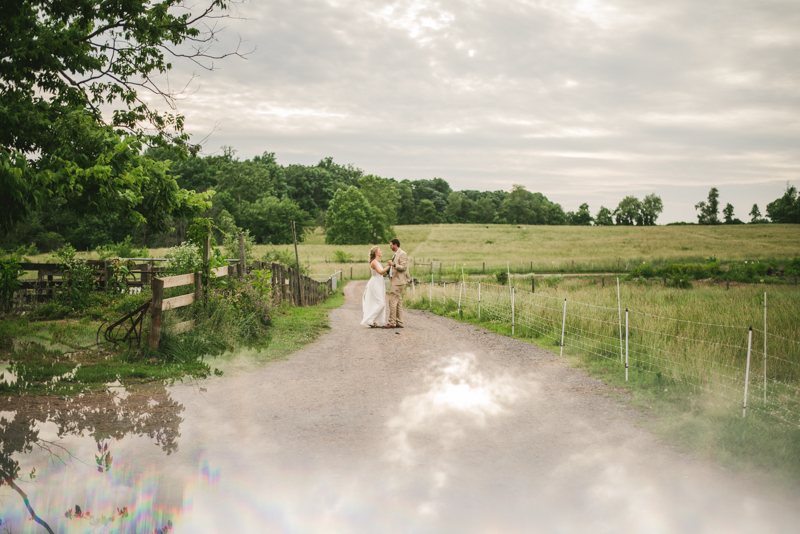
374,299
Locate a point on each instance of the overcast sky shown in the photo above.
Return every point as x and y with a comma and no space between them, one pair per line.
584,101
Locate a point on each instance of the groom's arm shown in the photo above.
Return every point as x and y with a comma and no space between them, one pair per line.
402,262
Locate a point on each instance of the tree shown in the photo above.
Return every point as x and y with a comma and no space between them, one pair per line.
603,217
755,215
352,221
709,211
786,209
426,212
381,195
729,217
485,210
270,220
59,63
405,204
628,211
651,209
582,217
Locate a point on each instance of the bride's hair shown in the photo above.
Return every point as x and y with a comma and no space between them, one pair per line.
373,253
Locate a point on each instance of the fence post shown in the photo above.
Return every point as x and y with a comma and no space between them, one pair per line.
508,274
460,289
765,347
155,313
533,285
479,300
619,312
512,311
430,291
747,371
626,344
563,326
198,286
444,293
242,258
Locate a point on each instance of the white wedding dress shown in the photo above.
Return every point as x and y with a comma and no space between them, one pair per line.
374,300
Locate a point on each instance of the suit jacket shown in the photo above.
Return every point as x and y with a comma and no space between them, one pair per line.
400,269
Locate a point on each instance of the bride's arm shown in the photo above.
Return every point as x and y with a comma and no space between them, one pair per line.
377,266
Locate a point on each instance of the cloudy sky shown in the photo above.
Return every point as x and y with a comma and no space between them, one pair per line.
583,100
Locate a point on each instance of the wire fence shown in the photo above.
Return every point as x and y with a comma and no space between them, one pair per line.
728,364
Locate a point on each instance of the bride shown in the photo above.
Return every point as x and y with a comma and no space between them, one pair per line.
374,299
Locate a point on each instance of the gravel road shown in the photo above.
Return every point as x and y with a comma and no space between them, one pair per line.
446,427
440,427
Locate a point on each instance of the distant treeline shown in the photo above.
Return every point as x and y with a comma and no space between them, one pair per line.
261,196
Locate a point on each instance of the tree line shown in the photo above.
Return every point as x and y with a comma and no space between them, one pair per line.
784,210
260,196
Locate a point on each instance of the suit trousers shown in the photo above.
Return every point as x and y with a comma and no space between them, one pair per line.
396,304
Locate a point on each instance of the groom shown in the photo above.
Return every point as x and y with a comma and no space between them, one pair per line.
399,275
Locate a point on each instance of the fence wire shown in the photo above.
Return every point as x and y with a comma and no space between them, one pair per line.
711,359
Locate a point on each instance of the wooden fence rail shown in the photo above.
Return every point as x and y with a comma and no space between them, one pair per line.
159,304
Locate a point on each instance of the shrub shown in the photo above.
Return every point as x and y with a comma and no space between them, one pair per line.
183,259
10,272
502,277
230,244
285,257
123,249
340,256
79,281
792,268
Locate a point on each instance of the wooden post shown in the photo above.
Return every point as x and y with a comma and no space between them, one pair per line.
533,285
145,275
106,273
155,313
297,260
531,266
198,286
484,267
603,281
351,273
242,258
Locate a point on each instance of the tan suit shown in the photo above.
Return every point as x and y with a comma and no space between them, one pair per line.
399,276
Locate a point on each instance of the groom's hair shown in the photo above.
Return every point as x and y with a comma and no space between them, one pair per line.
395,241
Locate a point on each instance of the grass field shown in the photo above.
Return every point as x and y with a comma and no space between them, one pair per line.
555,248
552,249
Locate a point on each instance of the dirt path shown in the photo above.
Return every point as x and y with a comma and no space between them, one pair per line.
445,427
439,427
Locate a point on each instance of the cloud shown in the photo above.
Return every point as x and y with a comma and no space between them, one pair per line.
485,94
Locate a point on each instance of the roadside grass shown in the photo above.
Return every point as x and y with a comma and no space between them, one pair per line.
293,328
692,420
60,357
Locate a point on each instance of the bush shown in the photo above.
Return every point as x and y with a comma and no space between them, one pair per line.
285,257
230,244
502,277
10,272
183,259
792,268
123,249
340,256
642,271
80,280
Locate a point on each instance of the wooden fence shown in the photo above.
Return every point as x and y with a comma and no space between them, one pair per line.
287,286
159,304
